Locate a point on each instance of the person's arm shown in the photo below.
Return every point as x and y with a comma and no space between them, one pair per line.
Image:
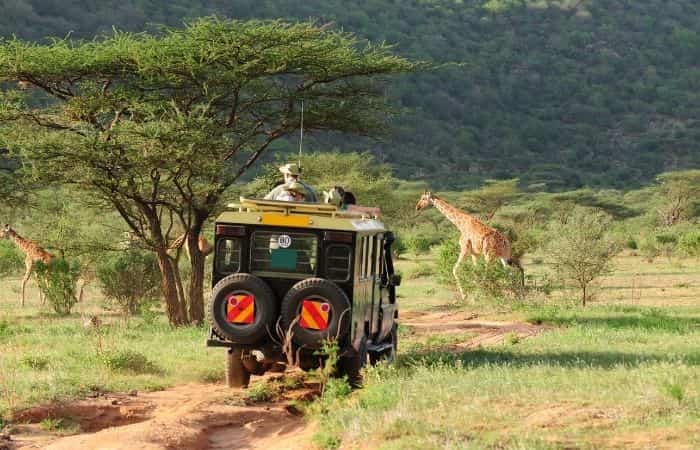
367,210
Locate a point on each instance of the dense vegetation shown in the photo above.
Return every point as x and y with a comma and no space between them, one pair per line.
559,93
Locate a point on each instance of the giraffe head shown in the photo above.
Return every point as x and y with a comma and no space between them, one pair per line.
425,201
5,232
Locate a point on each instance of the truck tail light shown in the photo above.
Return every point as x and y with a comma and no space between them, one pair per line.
230,230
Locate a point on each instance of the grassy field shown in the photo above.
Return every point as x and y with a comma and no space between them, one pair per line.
623,372
44,357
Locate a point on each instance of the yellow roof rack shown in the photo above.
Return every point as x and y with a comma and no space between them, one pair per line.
290,208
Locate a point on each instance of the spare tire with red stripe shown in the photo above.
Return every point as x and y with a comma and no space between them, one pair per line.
243,309
316,309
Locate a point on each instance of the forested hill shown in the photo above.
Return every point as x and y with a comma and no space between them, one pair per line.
558,93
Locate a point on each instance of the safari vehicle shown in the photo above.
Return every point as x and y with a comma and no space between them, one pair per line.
289,276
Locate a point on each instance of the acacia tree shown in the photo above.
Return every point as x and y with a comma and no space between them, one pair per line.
580,248
159,126
680,191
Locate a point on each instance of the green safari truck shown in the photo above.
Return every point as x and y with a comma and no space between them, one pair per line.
289,276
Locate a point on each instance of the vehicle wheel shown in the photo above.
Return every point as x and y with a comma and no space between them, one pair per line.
236,374
324,292
351,365
389,354
243,308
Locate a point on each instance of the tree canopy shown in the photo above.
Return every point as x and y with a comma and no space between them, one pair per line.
160,125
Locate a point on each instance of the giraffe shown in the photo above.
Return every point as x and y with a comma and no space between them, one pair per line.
32,251
204,246
475,239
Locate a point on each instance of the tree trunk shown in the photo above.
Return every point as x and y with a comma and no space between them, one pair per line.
196,285
173,307
584,295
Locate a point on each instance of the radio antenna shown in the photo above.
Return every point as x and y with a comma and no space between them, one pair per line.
301,132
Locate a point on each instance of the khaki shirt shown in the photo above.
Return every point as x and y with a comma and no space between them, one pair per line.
277,192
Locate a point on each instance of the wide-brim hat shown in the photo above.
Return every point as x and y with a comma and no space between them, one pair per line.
291,169
296,188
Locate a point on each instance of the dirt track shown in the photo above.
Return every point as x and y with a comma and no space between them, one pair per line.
212,416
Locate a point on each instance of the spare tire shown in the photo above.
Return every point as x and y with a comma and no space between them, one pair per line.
243,308
336,307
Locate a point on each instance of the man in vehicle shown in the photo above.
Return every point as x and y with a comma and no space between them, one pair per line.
291,174
295,192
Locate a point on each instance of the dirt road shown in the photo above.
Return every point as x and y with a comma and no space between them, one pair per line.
193,416
212,416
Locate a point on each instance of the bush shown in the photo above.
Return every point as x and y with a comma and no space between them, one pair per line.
129,279
631,244
417,243
689,243
490,281
57,283
581,248
129,361
11,260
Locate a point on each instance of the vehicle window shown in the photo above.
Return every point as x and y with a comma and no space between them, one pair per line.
377,253
367,256
292,254
338,262
228,255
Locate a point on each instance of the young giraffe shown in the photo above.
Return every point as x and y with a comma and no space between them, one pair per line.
476,238
32,251
204,246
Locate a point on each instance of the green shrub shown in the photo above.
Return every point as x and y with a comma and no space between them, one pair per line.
417,243
482,281
129,279
36,362
631,244
129,361
11,260
57,283
689,243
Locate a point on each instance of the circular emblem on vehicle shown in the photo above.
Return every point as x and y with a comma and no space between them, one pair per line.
284,241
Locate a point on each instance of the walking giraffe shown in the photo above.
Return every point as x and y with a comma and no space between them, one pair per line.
32,253
475,238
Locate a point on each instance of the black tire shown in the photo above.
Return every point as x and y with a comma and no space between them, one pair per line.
388,355
237,376
324,290
265,309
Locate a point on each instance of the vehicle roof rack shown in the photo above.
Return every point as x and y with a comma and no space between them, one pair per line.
290,208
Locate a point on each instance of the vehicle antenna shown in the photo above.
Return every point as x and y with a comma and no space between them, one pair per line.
301,132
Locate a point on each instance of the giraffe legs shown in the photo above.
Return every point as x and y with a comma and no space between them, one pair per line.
455,273
27,274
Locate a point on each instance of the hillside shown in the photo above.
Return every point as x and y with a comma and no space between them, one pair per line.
558,93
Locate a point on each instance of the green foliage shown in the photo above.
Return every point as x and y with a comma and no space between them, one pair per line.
158,126
57,282
11,260
689,243
36,362
547,110
674,390
417,243
129,361
581,249
129,278
481,282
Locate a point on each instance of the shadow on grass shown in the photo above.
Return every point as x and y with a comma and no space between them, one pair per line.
498,357
642,319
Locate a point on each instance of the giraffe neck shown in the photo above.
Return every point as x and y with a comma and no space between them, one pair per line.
29,247
452,214
21,243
